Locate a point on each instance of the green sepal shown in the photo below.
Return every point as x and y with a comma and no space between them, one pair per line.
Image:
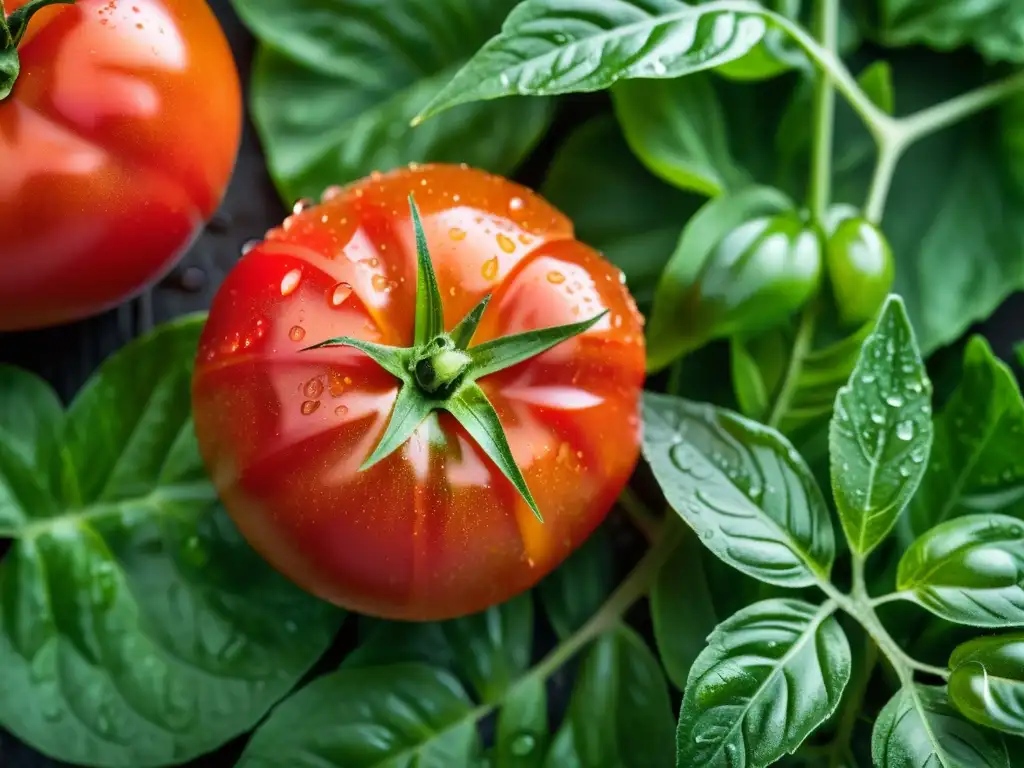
429,311
499,354
394,360
474,412
409,411
462,333
12,30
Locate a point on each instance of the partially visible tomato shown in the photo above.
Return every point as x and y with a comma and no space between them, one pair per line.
434,530
116,145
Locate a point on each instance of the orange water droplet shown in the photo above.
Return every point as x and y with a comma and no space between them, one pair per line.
556,278
525,239
379,282
335,385
331,192
348,379
297,333
339,293
341,410
290,281
490,268
451,291
617,321
313,388
457,234
515,204
301,204
309,406
563,452
506,244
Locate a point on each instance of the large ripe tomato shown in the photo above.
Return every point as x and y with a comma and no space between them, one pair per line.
115,146
434,530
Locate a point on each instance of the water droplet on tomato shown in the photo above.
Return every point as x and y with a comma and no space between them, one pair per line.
506,244
456,198
525,239
309,406
375,175
617,321
489,270
457,234
556,278
297,333
248,245
313,388
331,192
379,282
341,410
290,281
516,204
339,293
451,291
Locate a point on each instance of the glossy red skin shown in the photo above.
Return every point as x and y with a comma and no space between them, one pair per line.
433,531
115,146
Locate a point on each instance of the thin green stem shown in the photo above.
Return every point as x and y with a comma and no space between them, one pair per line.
892,597
791,379
839,749
640,515
826,22
889,152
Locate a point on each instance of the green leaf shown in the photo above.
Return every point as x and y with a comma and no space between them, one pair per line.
673,329
429,307
742,487
770,675
504,352
549,47
987,682
881,433
578,587
492,648
876,82
31,417
335,85
523,725
954,216
968,570
678,130
396,715
462,333
976,460
474,412
620,713
638,226
919,728
137,628
682,610
563,752
383,642
994,27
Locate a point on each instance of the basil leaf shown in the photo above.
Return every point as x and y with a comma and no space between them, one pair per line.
30,418
976,463
578,587
677,324
549,47
401,714
771,674
620,713
563,753
383,642
682,610
881,433
742,487
137,628
678,130
968,570
919,728
523,725
987,682
334,86
637,228
995,28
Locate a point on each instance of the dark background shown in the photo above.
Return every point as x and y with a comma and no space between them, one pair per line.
67,355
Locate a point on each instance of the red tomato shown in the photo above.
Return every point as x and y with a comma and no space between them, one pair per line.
435,530
115,146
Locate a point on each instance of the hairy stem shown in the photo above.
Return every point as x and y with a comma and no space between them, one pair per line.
826,20
791,379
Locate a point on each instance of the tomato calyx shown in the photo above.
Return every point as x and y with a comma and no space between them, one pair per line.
12,30
440,370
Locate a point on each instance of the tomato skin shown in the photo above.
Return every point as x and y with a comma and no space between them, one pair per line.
435,530
116,145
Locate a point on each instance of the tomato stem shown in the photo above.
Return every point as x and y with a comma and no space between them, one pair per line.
12,30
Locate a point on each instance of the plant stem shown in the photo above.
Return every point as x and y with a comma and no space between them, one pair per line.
839,749
801,346
640,515
826,19
889,152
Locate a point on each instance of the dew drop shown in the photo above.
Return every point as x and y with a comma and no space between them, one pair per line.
331,192
506,244
341,410
905,430
515,204
457,234
894,401
297,333
290,282
301,205
867,378
659,67
522,744
525,239
489,270
339,293
248,245
379,282
309,406
556,278
877,417
313,388
505,81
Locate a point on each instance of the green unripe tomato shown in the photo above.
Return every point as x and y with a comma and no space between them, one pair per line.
759,274
860,269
